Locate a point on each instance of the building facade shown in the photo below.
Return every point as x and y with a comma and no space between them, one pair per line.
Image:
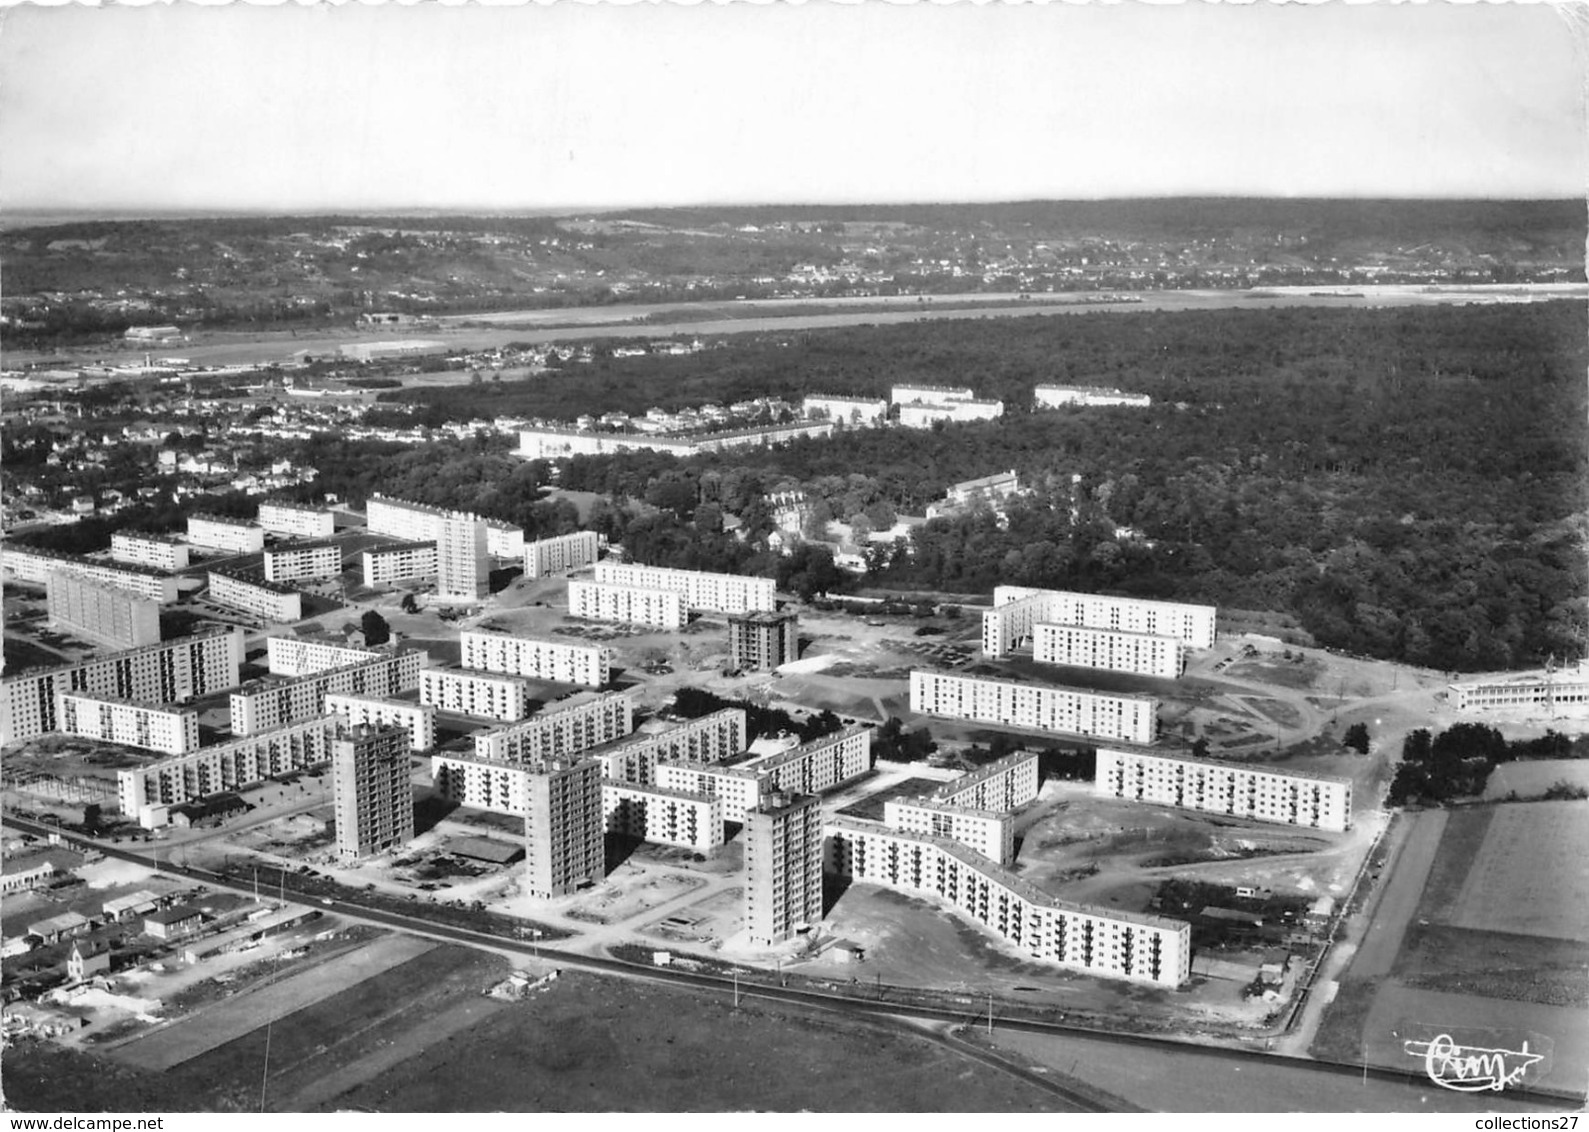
738,788
463,563
1004,784
218,532
1038,707
152,727
761,641
419,720
538,659
274,701
1259,793
825,762
662,817
168,673
929,394
486,695
105,615
565,842
154,551
293,656
629,605
721,593
387,565
297,520
1565,691
783,866
371,791
986,832
559,555
27,564
1017,610
314,560
281,604
708,739
233,765
560,731
1114,650
952,412
852,411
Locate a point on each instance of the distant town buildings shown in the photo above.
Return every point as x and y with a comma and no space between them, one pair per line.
560,554
1053,396
783,866
1039,707
106,615
371,792
552,443
921,415
762,641
394,350
1260,793
994,490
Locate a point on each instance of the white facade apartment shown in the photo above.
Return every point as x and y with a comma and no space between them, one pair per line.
819,765
504,540
955,412
296,519
388,564
307,560
783,866
1567,690
663,817
1052,396
420,522
234,765
559,555
482,784
167,673
1259,793
263,599
1113,650
631,605
463,564
724,593
104,614
929,394
482,694
709,739
154,551
1004,784
419,720
847,410
290,656
988,833
538,659
559,732
29,565
1119,945
153,727
738,789
1017,610
264,705
215,532
1040,707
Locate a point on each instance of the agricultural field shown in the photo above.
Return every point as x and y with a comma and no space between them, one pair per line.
1520,781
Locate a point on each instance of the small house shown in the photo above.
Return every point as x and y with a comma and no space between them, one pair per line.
173,923
87,958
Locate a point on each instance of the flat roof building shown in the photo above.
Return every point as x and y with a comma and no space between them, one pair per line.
1017,610
404,562
630,605
463,563
559,555
534,657
1038,707
1053,396
274,701
220,532
1111,650
1257,792
709,739
152,727
761,641
295,656
722,593
560,731
299,520
263,599
661,816
293,562
235,764
952,412
485,695
104,614
154,551
419,720
851,411
564,834
29,564
371,791
783,866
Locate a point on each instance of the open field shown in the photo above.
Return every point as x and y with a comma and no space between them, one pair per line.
1530,876
630,891
587,1043
1532,779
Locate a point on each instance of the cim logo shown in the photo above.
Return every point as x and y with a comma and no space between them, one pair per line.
1476,1061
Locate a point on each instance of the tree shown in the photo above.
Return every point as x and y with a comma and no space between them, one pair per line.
91,815
709,518
1200,748
376,630
1356,737
409,605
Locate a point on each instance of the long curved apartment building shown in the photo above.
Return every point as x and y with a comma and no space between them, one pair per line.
1039,707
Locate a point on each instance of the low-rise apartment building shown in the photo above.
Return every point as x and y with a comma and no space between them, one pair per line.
274,701
1121,945
630,605
952,412
989,833
560,731
152,727
402,562
533,657
662,817
294,561
1017,610
709,739
103,614
486,695
1004,784
297,520
219,532
1037,707
419,720
1053,396
29,564
154,551
820,765
236,764
911,394
722,593
851,411
736,787
167,673
560,554
294,656
1260,793
1113,650
1564,690
281,604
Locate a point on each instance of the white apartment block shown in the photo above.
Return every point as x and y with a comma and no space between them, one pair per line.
290,656
663,817
1004,784
559,555
1566,690
1053,396
559,731
631,605
419,720
386,565
819,765
1259,793
296,519
954,412
420,522
723,593
233,765
154,551
263,599
371,791
36,566
482,694
153,727
289,563
106,615
1120,945
847,410
783,866
929,394
988,833
738,789
1018,609
709,739
1113,650
463,565
482,784
538,659
504,540
1039,707
272,702
166,673
217,532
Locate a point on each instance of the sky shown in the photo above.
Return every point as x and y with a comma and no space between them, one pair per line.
585,106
